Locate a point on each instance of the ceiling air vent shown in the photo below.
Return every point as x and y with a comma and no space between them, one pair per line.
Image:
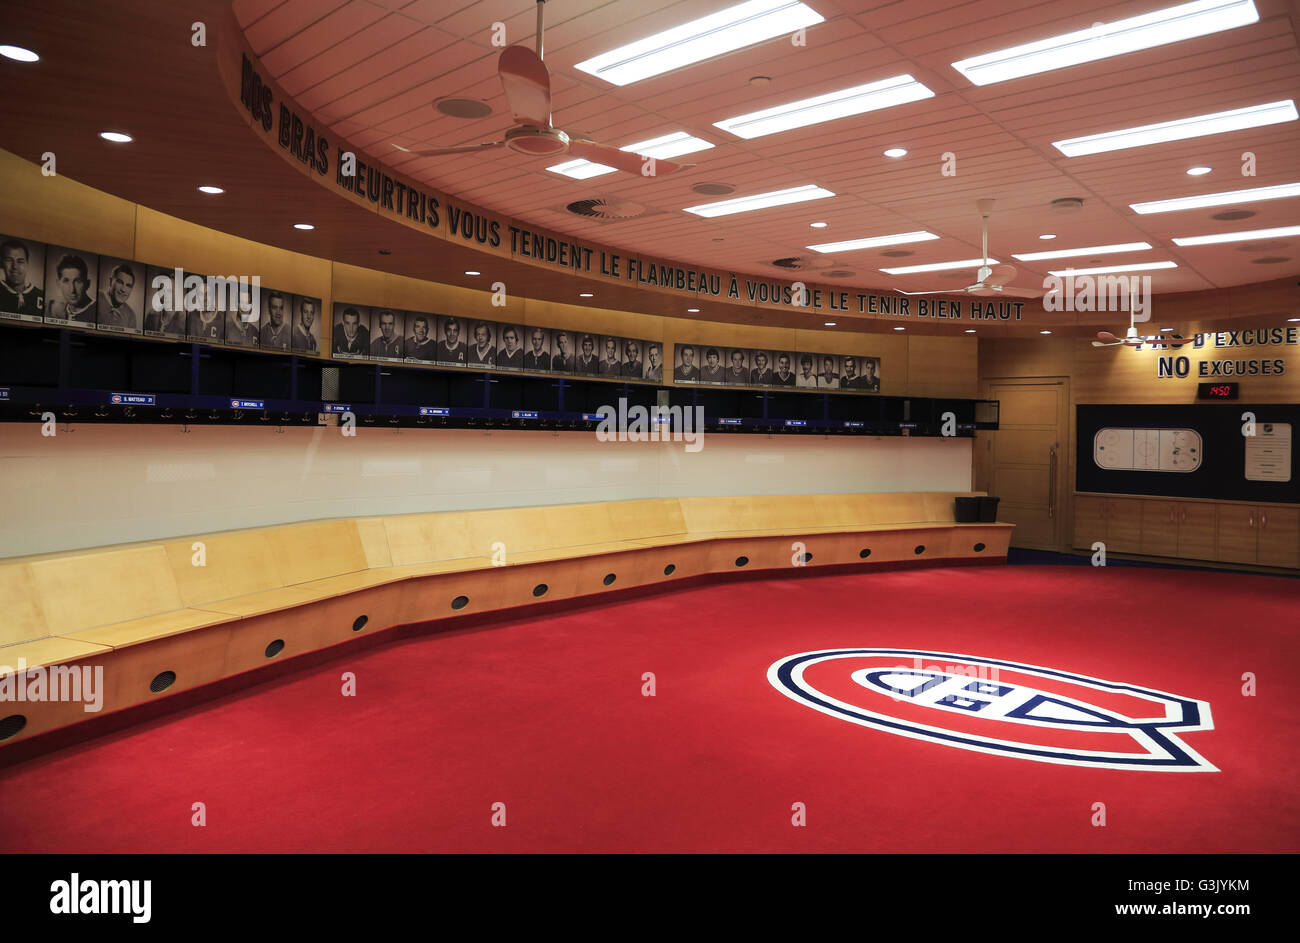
1229,215
897,253
464,108
1067,204
606,209
797,262
837,273
713,189
1272,245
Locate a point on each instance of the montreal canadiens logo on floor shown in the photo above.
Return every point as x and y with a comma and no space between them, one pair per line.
999,707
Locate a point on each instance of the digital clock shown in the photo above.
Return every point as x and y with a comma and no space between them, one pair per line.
1216,391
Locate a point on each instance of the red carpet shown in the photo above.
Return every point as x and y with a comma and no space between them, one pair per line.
547,716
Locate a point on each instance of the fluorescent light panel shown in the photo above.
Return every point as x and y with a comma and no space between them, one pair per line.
1138,267
1090,250
665,146
1198,126
872,241
1159,28
886,93
1237,236
760,201
937,267
705,38
1217,199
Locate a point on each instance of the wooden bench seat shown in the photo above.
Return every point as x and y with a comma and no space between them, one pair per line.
212,605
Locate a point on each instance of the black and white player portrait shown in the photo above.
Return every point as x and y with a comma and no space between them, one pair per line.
483,344
351,330
633,365
806,376
306,324
588,355
783,372
22,279
244,317
871,374
760,373
737,367
386,341
121,295
164,303
828,372
562,355
538,355
510,353
204,319
70,279
611,359
850,373
654,362
276,329
452,348
687,370
713,371
420,343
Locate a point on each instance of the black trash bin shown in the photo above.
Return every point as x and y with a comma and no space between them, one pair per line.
988,510
967,511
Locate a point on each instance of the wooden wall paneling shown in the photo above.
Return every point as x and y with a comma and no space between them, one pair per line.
317,550
88,589
60,211
374,541
233,564
942,366
24,616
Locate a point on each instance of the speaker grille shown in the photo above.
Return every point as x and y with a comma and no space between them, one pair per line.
609,579
670,569
329,383
540,589
920,549
460,602
162,682
11,725
742,561
864,552
275,648
979,548
359,623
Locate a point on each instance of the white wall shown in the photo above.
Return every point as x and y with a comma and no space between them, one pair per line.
91,485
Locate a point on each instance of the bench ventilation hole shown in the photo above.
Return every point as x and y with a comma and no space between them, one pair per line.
609,578
742,561
807,558
979,548
359,623
670,569
11,725
460,602
275,648
864,552
540,589
162,682
920,549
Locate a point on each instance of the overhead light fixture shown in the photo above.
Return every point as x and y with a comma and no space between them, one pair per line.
830,324
1044,332
1198,171
1197,126
819,225
664,146
117,137
896,152
898,90
211,190
873,241
1106,269
692,310
1292,319
936,266
18,54
303,226
1165,330
1217,199
471,272
1048,235
900,329
970,330
1089,250
760,201
1237,236
586,294
1103,40
706,38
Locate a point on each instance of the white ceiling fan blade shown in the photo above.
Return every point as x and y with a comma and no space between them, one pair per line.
457,149
527,85
1001,275
956,291
1111,344
1016,292
626,161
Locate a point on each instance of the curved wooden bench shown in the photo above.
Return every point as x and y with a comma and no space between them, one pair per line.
206,607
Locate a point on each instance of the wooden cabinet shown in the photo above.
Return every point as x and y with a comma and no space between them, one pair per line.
1116,522
1238,534
1196,531
1160,528
1279,536
1265,534
1089,520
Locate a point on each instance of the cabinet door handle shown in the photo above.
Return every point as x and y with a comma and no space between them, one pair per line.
1183,518
1263,520
1172,511
1252,518
1051,483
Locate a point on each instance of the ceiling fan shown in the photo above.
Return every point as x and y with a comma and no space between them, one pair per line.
527,84
1132,339
988,280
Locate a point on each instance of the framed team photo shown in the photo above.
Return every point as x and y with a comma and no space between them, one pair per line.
350,338
164,303
587,362
70,279
305,334
611,355
120,299
563,357
654,362
387,334
537,349
737,366
421,337
452,348
22,279
686,363
510,347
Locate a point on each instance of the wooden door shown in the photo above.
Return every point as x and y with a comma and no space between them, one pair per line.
1279,536
1196,531
1238,537
1159,528
1029,461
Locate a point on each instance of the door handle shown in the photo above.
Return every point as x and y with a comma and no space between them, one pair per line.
1263,519
1252,518
1051,481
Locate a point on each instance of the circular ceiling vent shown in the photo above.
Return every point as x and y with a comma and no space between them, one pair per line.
1067,204
605,208
798,262
897,253
464,108
1229,215
838,273
713,189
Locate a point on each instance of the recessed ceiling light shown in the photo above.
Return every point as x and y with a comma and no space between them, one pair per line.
896,152
1237,236
1048,235
936,266
872,242
117,137
706,38
1044,332
1293,319
692,310
1103,270
898,90
211,190
1198,171
1165,330
472,272
1089,250
1103,40
760,201
1217,199
830,324
18,54
900,328
1197,126
664,146
819,225
303,226
970,330
586,294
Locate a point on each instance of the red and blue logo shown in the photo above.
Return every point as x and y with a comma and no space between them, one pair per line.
999,707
